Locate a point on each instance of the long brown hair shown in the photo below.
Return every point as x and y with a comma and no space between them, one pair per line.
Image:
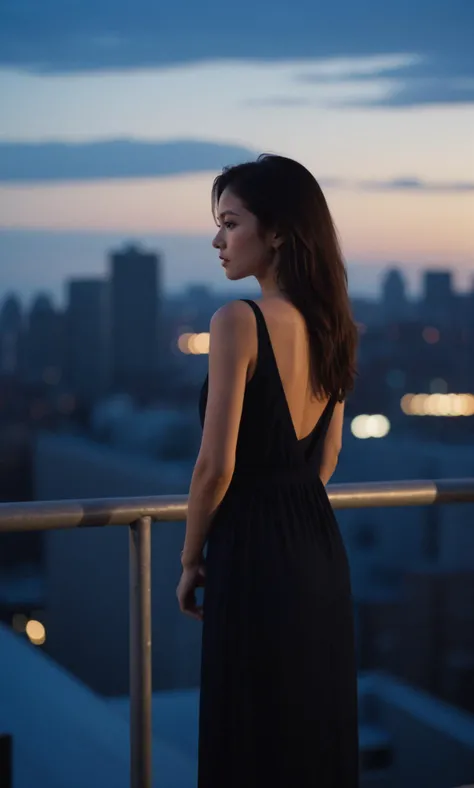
286,198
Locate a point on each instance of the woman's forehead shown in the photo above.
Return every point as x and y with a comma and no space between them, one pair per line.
230,203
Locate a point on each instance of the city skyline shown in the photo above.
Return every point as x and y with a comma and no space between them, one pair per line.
364,281
57,292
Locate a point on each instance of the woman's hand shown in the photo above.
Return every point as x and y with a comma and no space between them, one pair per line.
193,577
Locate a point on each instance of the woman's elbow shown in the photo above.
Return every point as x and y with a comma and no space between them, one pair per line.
329,464
326,472
212,473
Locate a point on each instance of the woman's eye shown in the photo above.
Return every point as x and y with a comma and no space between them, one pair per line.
229,225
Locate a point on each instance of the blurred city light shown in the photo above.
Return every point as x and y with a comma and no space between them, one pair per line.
438,404
370,426
196,344
431,335
36,632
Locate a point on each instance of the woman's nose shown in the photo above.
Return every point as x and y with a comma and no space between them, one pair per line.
215,241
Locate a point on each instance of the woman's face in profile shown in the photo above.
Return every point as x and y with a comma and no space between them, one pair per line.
243,249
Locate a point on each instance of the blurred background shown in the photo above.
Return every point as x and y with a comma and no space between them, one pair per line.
114,120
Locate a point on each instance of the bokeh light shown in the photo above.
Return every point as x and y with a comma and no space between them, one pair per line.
370,426
195,344
431,335
36,632
451,405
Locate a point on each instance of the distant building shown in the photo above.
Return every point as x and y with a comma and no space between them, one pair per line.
87,364
135,293
11,326
438,296
394,297
44,349
470,307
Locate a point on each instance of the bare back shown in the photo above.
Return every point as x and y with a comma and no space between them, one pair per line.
290,341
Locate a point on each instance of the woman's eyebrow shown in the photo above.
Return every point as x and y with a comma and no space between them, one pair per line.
225,213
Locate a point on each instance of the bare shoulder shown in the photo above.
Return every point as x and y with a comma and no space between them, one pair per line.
231,336
234,318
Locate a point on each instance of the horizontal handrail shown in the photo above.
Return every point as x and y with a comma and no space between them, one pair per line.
50,515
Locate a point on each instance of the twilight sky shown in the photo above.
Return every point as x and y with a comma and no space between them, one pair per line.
116,117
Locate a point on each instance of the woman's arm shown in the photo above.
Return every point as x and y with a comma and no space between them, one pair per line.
230,341
332,444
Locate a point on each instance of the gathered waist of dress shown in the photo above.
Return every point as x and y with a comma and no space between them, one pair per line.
254,475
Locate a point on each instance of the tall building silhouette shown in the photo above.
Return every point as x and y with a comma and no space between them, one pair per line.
11,328
438,296
134,321
394,296
87,338
44,350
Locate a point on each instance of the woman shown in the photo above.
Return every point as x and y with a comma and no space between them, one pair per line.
278,683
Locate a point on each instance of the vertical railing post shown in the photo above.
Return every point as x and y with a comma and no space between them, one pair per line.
140,654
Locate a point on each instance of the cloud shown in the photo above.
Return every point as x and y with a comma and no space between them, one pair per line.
59,161
398,93
405,184
49,162
410,82
58,37
417,92
415,184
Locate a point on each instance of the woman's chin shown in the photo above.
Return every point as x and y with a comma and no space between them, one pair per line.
234,276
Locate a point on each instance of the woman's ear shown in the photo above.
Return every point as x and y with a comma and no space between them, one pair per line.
277,241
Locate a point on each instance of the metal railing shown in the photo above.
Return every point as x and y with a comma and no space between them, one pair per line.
138,514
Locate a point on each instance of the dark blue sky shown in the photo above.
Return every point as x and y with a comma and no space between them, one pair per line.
58,36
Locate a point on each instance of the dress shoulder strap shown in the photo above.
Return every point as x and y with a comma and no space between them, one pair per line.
265,353
262,329
257,311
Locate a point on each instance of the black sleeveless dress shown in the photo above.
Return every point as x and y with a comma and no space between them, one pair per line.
278,703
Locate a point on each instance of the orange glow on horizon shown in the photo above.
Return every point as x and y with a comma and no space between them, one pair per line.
402,226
